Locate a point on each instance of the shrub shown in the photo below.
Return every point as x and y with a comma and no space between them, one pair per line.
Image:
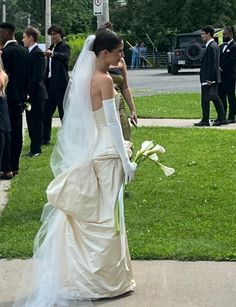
76,42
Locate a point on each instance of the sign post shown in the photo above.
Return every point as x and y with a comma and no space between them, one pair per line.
101,10
47,22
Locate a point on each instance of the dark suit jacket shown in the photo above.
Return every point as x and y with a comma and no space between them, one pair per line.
15,62
228,61
59,67
5,125
36,74
210,70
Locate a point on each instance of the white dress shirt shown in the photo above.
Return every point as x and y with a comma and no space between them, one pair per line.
32,47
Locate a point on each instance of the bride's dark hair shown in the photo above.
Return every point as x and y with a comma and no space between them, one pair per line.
106,39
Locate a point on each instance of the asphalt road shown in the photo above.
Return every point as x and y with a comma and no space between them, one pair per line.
155,81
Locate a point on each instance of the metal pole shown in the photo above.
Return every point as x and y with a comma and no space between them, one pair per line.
47,22
101,19
4,11
28,20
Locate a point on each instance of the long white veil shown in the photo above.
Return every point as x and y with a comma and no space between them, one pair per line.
42,281
77,135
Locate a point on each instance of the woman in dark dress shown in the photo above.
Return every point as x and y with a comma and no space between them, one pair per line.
119,76
5,128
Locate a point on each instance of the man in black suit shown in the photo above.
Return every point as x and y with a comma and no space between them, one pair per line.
36,90
15,61
209,78
228,73
56,78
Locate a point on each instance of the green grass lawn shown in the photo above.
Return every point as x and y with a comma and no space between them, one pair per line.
169,106
188,216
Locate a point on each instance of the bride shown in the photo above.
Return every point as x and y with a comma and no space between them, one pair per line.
81,251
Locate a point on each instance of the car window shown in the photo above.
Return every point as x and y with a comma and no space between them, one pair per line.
184,41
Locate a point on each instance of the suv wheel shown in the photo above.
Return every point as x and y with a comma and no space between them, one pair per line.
194,52
174,69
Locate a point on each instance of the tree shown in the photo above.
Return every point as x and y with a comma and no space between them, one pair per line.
73,15
161,19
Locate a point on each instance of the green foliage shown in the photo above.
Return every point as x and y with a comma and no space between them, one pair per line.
159,19
75,41
162,19
188,216
74,16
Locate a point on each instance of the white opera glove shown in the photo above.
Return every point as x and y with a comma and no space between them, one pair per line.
114,126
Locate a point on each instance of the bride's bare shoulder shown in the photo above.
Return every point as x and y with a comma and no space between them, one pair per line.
100,80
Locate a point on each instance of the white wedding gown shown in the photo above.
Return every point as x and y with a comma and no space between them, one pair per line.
82,255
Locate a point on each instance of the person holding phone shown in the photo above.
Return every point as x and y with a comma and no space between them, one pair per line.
119,77
120,81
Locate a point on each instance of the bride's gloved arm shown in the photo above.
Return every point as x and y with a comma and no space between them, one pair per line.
115,129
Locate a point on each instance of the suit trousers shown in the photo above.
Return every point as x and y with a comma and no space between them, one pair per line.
55,100
34,119
15,112
205,101
227,90
5,147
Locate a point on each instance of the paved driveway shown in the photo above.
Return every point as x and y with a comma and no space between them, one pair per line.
152,81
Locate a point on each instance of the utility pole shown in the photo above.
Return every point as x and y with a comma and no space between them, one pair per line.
28,20
101,19
4,11
47,22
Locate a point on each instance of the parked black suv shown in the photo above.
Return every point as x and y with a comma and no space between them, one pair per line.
187,52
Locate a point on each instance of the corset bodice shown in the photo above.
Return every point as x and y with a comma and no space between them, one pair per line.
104,145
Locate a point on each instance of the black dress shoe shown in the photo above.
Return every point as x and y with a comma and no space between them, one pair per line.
231,121
201,124
32,155
6,176
220,122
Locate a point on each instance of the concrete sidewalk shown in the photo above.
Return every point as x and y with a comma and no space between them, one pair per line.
167,122
159,284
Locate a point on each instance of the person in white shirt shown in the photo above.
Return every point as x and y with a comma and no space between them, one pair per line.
36,90
209,78
228,73
15,62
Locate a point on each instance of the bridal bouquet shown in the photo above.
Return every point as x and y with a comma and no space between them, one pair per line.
149,151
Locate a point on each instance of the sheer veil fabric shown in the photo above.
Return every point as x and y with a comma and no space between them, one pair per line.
77,135
41,284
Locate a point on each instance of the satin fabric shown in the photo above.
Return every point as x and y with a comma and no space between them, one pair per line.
88,195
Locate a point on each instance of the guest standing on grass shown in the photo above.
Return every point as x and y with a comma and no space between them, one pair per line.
209,78
36,90
15,62
56,78
5,128
228,73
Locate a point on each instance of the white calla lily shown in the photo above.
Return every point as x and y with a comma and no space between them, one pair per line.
147,145
167,170
149,151
153,157
159,148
